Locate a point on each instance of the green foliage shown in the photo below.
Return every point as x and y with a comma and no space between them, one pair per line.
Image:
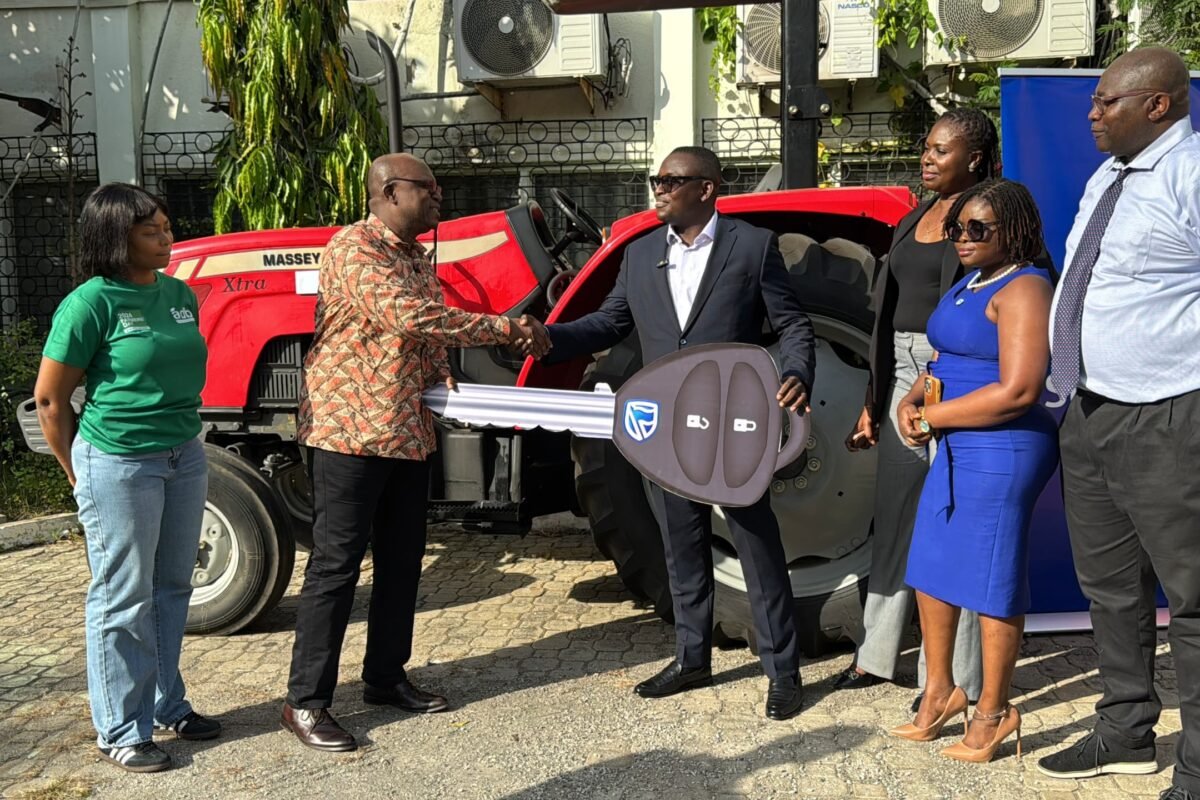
895,79
720,27
904,21
1170,23
303,135
986,79
30,484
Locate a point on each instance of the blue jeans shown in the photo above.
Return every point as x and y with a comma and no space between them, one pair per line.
141,515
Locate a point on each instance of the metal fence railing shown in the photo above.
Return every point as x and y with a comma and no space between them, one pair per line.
49,177
179,167
481,167
857,149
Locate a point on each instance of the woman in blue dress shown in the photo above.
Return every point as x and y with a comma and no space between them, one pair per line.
996,449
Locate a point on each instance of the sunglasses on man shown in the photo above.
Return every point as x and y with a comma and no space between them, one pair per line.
670,183
977,230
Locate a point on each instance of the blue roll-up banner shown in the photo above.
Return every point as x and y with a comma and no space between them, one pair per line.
1046,144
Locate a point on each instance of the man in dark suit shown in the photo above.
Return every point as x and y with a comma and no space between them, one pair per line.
708,279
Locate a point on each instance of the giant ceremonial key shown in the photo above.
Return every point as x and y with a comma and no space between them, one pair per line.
702,423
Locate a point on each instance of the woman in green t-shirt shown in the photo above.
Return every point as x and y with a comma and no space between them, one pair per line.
137,465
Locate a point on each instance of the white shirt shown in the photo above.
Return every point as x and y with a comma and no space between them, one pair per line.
1141,314
685,267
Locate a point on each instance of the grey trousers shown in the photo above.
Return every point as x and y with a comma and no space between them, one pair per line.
889,605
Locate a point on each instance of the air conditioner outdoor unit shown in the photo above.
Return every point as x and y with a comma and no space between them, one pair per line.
846,35
1010,30
523,41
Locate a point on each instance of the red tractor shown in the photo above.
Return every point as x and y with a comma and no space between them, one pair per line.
257,296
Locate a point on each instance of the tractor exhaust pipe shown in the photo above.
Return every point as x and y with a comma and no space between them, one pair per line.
391,77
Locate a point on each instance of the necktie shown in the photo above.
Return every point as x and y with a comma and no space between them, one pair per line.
1068,317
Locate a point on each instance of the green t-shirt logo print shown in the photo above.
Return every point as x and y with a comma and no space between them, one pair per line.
132,321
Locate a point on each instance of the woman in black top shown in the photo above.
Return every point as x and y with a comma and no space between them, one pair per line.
922,265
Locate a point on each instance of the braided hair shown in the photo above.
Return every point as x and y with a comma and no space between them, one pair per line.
1019,224
980,132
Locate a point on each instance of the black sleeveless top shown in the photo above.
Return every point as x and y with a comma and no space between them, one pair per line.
917,269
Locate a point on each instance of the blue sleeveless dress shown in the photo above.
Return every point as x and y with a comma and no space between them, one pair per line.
970,539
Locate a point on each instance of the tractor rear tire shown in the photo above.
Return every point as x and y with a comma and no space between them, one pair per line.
613,495
829,607
247,550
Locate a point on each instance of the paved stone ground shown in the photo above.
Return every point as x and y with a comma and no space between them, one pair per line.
538,646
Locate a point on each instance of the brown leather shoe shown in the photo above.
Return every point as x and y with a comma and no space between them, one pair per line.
403,694
316,728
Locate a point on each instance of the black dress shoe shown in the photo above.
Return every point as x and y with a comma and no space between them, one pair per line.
316,728
404,695
784,697
853,679
673,680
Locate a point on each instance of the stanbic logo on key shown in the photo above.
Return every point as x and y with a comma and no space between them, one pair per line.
641,419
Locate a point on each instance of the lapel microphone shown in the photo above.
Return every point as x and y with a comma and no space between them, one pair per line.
662,264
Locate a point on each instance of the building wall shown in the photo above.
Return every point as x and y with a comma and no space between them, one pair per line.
667,76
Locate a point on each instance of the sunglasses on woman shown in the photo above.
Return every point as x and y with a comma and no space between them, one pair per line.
977,230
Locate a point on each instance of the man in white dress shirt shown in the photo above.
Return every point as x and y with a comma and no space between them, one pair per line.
706,279
1126,343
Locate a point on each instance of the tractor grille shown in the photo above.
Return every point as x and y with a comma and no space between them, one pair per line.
277,375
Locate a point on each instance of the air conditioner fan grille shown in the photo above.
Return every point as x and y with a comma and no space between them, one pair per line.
507,37
988,28
762,33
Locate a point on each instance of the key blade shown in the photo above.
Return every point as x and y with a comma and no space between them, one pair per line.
586,414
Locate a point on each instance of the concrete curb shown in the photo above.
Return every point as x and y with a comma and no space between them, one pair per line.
43,530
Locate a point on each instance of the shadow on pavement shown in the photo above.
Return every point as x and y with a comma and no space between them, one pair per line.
668,773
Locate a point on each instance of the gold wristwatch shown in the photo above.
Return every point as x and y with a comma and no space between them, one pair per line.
923,423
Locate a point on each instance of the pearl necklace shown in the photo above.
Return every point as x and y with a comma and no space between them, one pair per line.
975,283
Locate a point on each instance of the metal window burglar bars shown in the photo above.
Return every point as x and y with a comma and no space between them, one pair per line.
482,166
179,167
858,149
37,221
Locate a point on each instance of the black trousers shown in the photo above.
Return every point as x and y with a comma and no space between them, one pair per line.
1131,481
687,533
356,500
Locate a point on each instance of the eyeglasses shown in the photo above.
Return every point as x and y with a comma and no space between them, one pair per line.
428,185
1100,103
976,229
670,183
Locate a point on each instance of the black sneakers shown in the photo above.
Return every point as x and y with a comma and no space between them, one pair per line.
193,727
1177,793
1093,756
143,757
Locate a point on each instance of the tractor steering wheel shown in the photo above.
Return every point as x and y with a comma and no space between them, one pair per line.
581,228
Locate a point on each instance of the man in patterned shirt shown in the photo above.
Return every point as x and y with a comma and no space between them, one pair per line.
382,330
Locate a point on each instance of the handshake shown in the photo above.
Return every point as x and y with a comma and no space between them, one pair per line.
529,337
